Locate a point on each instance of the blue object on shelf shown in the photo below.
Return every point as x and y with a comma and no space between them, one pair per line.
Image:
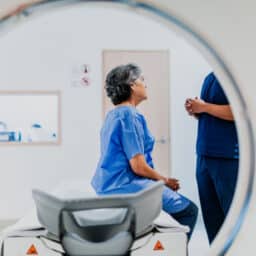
7,136
36,126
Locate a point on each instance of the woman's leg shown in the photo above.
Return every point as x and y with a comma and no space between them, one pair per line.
187,217
180,208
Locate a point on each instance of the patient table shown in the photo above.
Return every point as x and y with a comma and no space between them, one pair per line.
116,225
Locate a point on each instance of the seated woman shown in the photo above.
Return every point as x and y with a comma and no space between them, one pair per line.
125,164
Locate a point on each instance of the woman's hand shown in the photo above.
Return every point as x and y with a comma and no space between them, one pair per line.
172,183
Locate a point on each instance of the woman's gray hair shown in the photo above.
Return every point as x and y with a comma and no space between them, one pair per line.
119,80
134,72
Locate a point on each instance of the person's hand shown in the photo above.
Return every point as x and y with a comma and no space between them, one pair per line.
172,183
195,106
188,106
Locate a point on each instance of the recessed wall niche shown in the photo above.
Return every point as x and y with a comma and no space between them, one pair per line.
29,117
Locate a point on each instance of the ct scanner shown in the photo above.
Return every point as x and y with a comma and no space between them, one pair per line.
224,32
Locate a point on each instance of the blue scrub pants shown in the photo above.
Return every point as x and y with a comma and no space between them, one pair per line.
216,180
178,206
187,217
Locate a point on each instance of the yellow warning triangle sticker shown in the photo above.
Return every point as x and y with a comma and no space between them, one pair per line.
158,246
32,250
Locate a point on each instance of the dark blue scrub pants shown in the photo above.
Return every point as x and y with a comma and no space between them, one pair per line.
216,180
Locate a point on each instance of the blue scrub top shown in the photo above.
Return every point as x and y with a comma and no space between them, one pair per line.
216,137
125,134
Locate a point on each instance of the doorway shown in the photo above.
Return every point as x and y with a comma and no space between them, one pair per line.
155,68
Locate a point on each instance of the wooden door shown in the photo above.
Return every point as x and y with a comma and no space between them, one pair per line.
156,109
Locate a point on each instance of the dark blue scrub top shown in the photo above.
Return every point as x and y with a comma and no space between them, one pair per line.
216,137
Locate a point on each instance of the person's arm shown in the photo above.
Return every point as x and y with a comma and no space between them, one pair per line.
141,168
133,146
198,106
221,111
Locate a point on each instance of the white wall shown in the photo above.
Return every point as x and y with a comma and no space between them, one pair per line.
40,55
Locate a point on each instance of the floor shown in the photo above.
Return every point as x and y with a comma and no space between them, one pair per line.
198,245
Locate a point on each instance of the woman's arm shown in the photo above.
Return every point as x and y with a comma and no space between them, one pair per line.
141,168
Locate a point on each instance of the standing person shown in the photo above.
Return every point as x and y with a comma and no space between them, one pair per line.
125,164
217,153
